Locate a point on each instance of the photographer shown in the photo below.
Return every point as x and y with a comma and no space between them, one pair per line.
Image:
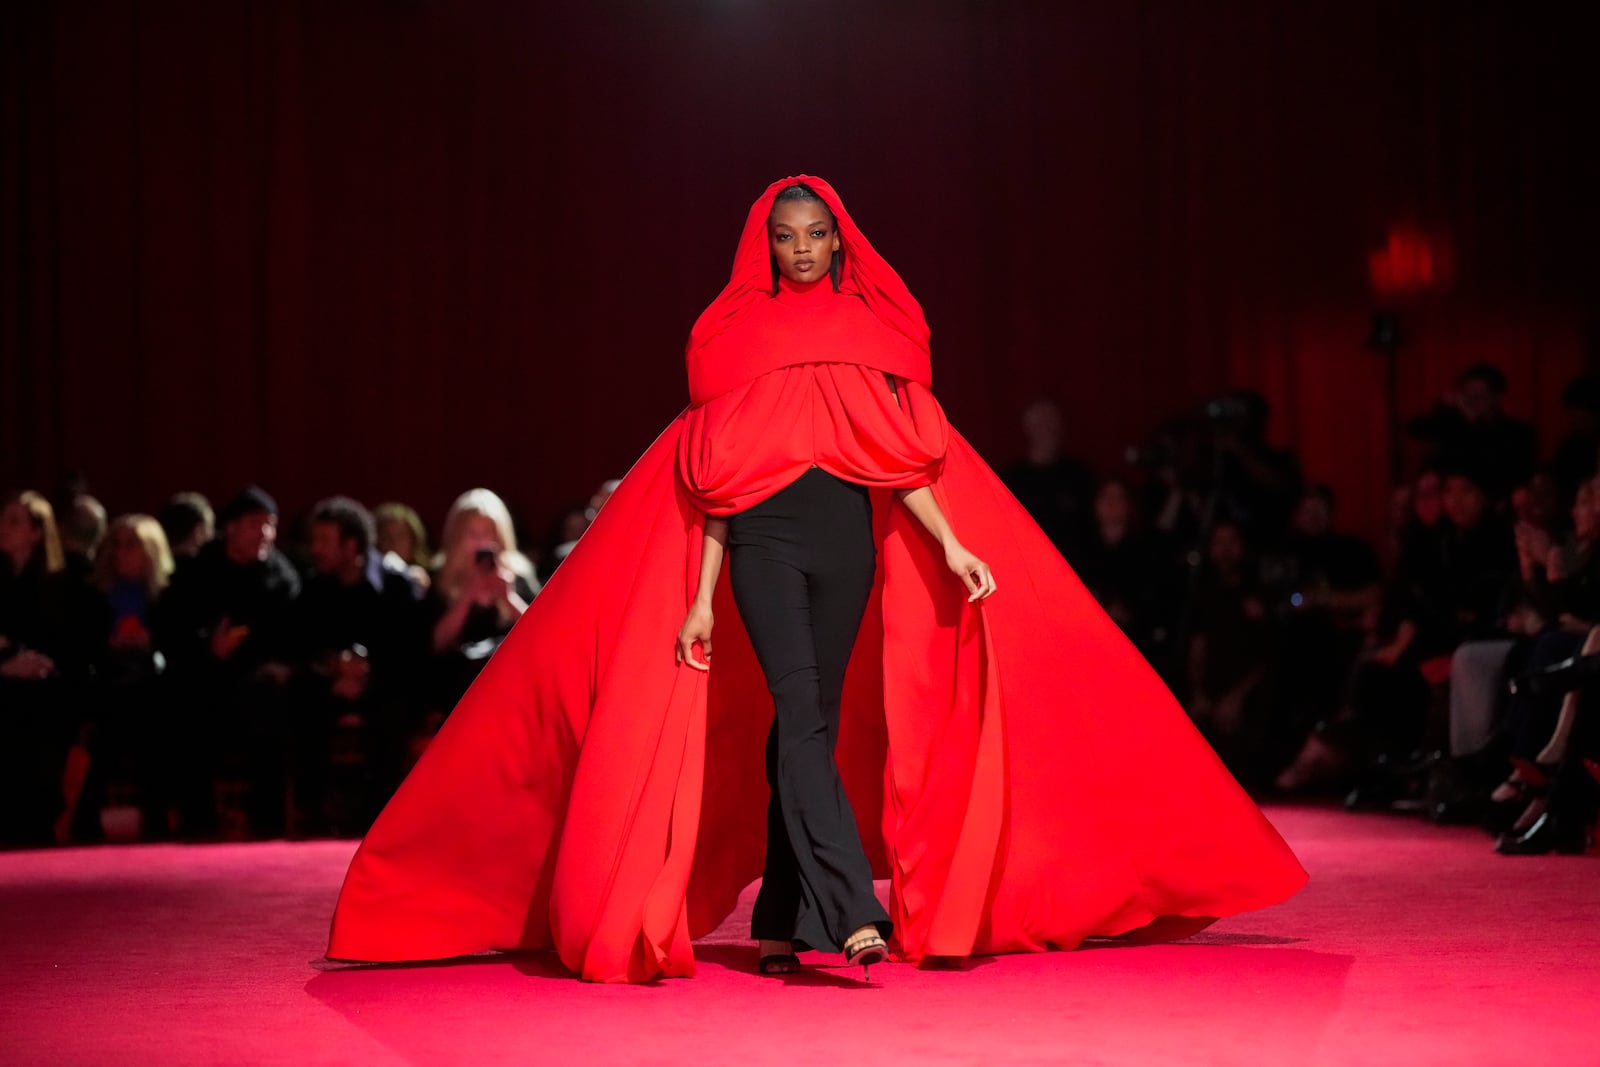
1256,484
481,587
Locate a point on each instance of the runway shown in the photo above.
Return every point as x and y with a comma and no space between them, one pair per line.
1411,945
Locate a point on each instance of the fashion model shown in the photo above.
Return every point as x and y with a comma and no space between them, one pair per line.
997,750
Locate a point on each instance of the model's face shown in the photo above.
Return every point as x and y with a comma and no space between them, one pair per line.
802,239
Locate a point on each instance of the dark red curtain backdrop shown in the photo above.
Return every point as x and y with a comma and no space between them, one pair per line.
398,248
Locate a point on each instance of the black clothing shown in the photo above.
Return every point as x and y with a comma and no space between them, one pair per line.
1231,617
232,719
1333,560
1260,506
802,564
1574,461
39,718
1136,579
381,611
379,619
1500,450
1057,495
211,588
1451,584
455,669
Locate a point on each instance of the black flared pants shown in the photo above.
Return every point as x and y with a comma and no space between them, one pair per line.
802,564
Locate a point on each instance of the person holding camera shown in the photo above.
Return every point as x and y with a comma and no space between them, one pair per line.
481,586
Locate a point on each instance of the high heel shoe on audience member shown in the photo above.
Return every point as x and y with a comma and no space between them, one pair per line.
1548,834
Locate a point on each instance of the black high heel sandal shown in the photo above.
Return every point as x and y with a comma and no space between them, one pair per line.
779,963
866,950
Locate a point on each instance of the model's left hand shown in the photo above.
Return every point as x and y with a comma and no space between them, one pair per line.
973,572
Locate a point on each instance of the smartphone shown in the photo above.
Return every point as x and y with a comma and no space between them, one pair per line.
486,559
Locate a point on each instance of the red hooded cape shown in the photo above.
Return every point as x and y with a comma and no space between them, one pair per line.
1019,773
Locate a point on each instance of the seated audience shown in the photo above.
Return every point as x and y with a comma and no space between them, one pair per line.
1443,593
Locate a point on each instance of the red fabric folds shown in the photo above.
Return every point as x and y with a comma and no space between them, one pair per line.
1019,773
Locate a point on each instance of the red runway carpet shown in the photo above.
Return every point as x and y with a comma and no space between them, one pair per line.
1412,945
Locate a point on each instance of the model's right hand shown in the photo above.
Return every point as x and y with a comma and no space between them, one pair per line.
696,627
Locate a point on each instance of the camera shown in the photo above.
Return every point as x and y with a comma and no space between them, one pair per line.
486,558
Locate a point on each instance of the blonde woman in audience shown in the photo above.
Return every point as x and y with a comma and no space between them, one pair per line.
133,570
129,739
481,586
44,650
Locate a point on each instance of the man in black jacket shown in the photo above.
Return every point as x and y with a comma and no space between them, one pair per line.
361,638
224,627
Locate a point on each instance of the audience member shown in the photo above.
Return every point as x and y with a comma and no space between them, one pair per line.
189,524
46,647
563,538
1326,586
1229,646
225,630
1054,487
1255,484
1575,456
401,533
360,637
131,738
1132,572
1469,428
482,584
81,534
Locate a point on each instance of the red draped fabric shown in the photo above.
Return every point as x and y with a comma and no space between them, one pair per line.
591,795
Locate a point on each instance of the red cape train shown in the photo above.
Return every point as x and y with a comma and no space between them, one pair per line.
1019,773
